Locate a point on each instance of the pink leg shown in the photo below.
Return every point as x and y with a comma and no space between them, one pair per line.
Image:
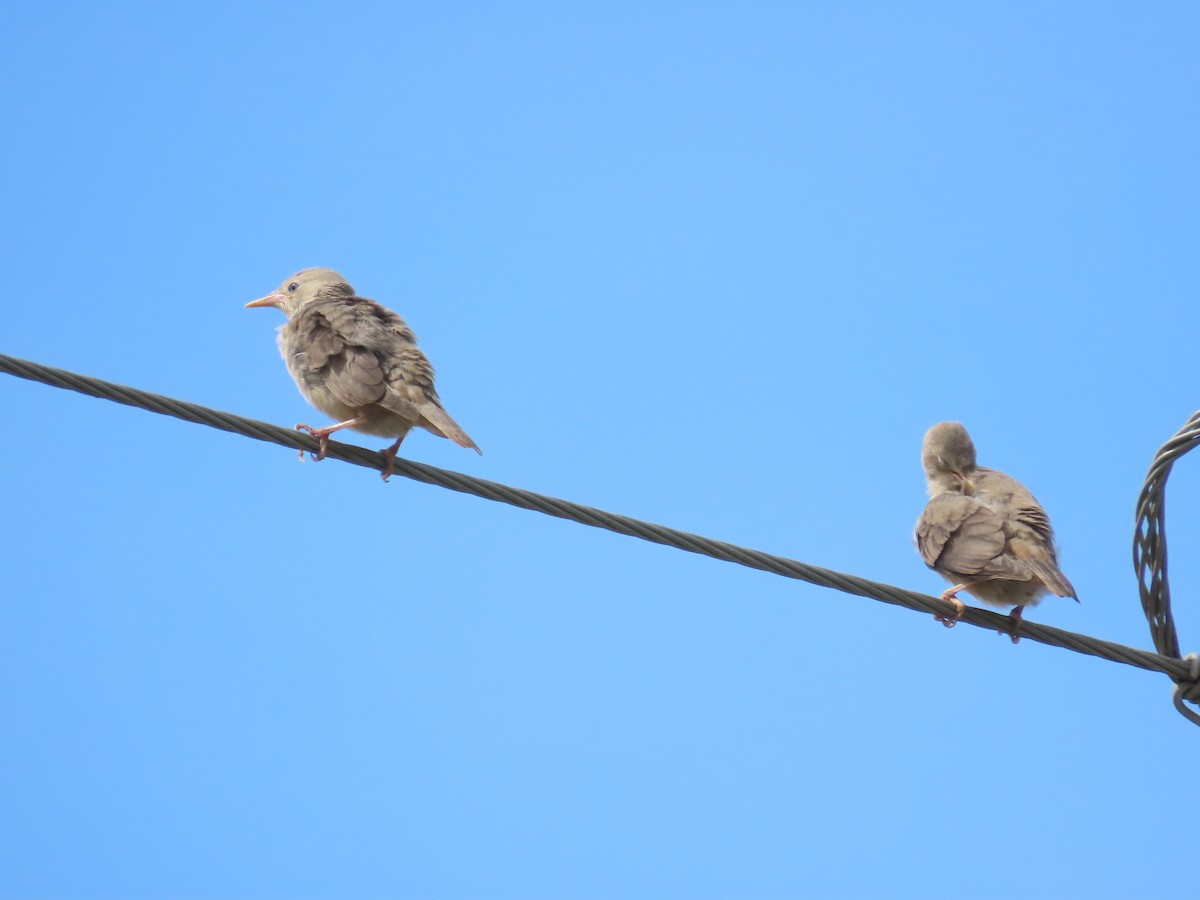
1015,634
389,454
323,435
950,595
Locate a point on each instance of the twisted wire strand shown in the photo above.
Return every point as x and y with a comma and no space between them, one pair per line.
1186,691
1177,669
1150,559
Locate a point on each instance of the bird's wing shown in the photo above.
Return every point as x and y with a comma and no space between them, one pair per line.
325,340
963,538
1034,518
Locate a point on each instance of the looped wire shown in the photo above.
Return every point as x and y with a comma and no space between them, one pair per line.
1189,691
1150,559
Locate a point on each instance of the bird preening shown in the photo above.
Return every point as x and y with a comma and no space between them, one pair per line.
984,531
357,362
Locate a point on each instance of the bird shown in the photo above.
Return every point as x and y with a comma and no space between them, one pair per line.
356,361
983,531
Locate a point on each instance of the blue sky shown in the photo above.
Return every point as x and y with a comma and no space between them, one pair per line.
718,266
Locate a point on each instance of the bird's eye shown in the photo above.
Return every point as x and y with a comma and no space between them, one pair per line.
293,286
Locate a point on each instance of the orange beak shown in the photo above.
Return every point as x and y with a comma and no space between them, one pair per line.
272,299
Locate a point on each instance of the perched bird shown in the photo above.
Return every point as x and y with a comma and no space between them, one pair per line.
983,531
358,362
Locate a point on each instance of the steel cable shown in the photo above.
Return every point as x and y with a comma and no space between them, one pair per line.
1177,669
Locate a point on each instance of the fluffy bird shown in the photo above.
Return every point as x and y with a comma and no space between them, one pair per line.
357,362
983,531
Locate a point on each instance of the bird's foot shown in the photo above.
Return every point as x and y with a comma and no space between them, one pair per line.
320,434
389,453
959,606
1015,631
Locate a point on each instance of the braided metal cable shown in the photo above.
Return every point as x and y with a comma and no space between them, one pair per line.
1150,559
1177,669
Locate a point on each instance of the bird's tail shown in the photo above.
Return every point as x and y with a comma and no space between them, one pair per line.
1052,578
440,423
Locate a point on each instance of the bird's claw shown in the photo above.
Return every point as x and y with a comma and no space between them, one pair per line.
959,608
320,435
389,453
1017,619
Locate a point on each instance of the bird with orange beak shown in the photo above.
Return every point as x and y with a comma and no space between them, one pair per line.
357,362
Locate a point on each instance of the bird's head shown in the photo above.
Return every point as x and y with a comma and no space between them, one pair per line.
304,287
948,456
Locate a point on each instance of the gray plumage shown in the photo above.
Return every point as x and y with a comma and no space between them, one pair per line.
358,362
983,530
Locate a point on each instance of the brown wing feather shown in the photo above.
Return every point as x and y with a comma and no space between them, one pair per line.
355,377
349,341
1034,518
1007,493
962,538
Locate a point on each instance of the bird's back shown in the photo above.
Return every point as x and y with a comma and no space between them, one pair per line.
1023,515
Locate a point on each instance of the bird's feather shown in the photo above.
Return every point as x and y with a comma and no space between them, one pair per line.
963,538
